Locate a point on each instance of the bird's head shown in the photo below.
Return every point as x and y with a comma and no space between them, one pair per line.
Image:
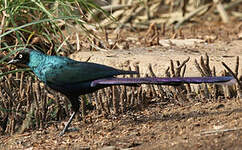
22,58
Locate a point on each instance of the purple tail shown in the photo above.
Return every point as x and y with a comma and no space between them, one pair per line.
161,81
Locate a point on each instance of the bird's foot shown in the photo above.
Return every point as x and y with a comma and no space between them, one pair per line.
62,133
68,130
67,124
65,129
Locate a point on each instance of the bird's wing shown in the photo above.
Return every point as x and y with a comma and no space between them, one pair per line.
163,81
66,71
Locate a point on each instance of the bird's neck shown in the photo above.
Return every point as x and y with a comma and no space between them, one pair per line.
36,58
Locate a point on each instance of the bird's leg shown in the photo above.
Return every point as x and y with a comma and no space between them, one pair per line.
75,104
68,123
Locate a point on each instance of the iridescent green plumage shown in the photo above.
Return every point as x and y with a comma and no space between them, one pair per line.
62,70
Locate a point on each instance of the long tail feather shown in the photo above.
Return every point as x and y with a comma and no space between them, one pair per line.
161,81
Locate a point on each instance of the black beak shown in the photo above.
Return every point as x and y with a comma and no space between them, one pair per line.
13,61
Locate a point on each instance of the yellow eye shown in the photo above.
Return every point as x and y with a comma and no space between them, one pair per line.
20,56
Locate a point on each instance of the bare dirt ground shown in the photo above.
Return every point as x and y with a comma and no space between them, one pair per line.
209,124
212,125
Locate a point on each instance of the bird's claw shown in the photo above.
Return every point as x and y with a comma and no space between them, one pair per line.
62,132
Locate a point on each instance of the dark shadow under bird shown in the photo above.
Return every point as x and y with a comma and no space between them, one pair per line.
73,78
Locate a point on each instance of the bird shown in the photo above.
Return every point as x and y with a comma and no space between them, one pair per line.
74,78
